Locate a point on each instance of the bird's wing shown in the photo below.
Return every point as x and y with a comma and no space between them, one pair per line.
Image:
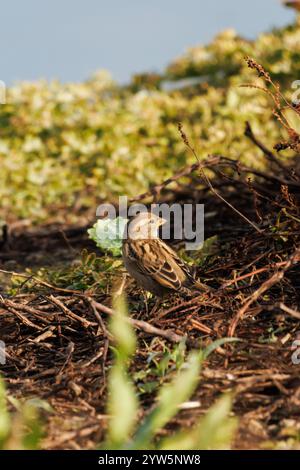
189,281
180,266
156,259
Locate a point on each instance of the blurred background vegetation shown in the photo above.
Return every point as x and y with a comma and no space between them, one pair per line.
64,148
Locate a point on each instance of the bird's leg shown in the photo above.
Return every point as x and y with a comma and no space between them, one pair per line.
145,298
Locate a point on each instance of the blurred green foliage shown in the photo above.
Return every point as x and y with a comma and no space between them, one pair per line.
66,147
214,431
86,273
22,428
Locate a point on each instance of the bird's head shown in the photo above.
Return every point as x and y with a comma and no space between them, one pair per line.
145,225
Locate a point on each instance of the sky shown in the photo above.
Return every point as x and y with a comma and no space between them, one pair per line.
70,39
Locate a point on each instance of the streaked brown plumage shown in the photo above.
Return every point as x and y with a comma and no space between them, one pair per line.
154,265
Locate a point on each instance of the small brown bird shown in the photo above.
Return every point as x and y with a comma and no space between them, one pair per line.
152,263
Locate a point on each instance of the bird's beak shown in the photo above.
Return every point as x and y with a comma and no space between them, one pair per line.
162,221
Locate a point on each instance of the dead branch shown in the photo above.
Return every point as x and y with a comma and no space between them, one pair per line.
249,133
68,312
170,335
289,310
276,277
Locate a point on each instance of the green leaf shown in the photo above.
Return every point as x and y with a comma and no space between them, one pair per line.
214,431
122,406
216,344
170,397
38,403
208,246
122,401
31,423
22,429
5,422
107,234
121,329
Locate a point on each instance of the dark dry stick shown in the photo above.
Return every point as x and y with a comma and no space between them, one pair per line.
211,161
170,335
253,273
289,310
142,325
42,283
68,312
106,333
183,172
209,183
9,304
249,133
24,319
276,277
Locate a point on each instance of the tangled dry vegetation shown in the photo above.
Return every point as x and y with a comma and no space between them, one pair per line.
58,340
54,317
104,140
